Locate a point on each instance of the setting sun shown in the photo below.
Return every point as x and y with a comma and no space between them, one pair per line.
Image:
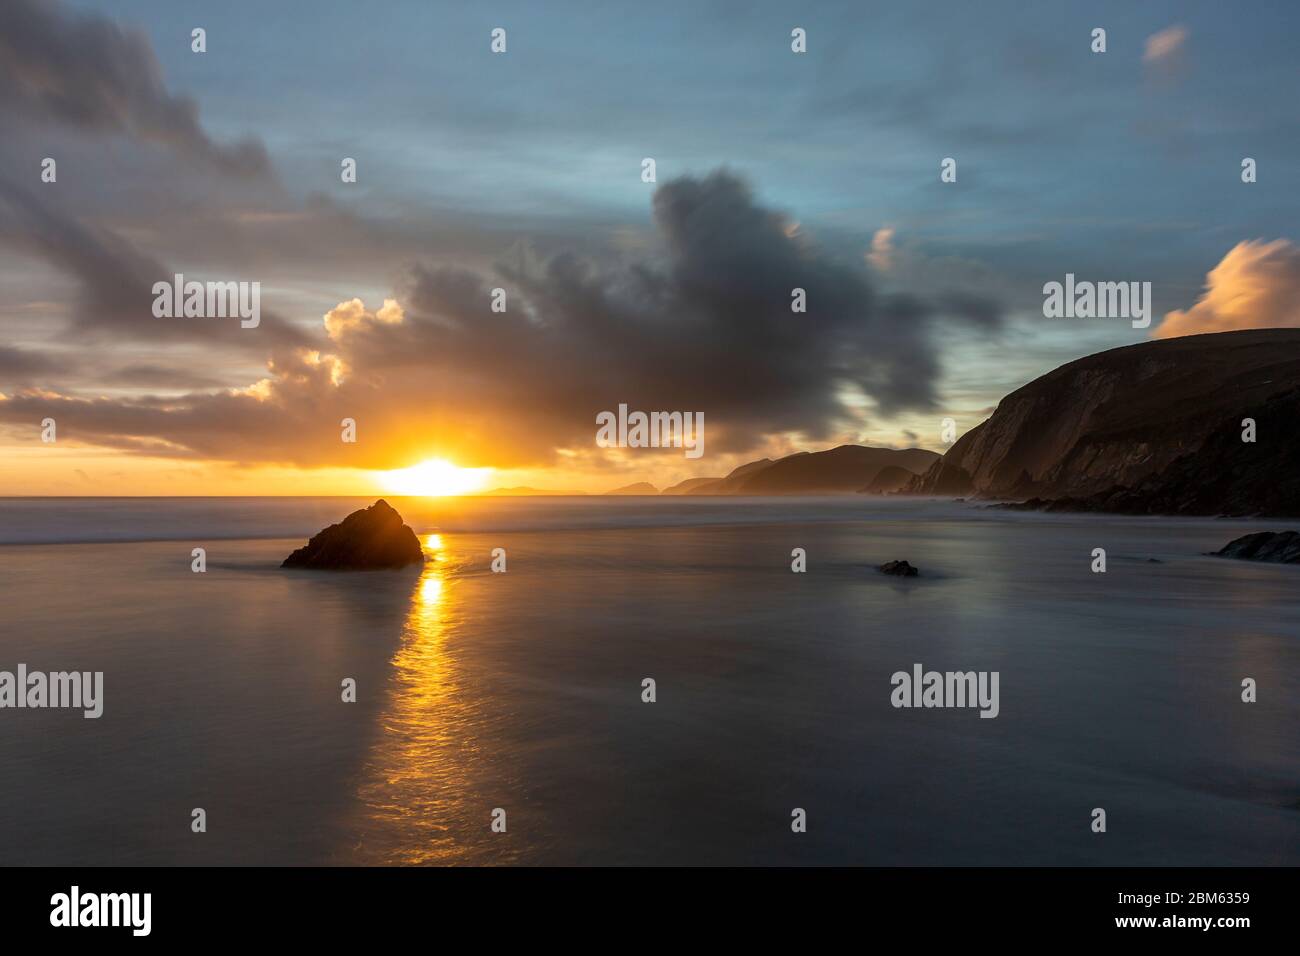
434,478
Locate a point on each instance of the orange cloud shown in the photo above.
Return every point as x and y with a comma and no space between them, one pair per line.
353,314
882,249
1255,286
1161,46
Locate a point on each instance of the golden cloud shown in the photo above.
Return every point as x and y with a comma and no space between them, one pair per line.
1164,44
353,314
1255,286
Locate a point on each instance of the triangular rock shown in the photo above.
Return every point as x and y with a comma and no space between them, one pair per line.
369,539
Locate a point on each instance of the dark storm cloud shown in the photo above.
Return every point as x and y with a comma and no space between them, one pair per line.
145,375
979,311
703,323
710,325
86,71
116,280
21,365
25,368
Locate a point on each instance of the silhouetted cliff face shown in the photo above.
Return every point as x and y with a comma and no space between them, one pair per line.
686,487
369,539
640,488
841,470
731,484
888,480
1107,423
1225,476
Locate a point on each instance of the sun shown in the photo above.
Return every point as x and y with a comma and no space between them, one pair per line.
434,478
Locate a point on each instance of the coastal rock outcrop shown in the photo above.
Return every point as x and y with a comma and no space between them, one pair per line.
1224,476
899,569
1154,428
1279,546
373,538
639,488
688,486
842,470
888,480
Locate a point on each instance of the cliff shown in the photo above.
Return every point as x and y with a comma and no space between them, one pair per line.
1160,420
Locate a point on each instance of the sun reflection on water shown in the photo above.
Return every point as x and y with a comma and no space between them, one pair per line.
430,589
420,770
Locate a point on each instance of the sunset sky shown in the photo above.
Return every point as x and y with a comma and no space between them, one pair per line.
522,171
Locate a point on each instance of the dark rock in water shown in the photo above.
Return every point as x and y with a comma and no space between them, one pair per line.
1281,546
365,540
899,568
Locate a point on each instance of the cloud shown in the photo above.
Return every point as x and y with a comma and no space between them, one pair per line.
1255,286
86,72
1164,49
21,365
116,280
146,375
700,320
881,255
353,315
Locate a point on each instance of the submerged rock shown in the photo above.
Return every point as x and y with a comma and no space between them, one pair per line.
1281,546
899,568
370,539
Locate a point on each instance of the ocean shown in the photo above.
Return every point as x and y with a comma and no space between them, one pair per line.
518,696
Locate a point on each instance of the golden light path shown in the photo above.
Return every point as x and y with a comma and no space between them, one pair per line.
418,788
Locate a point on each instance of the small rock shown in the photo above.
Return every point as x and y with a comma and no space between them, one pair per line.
1279,546
899,568
370,539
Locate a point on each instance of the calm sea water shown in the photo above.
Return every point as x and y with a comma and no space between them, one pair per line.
522,690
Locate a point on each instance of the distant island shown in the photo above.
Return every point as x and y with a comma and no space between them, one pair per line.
523,491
